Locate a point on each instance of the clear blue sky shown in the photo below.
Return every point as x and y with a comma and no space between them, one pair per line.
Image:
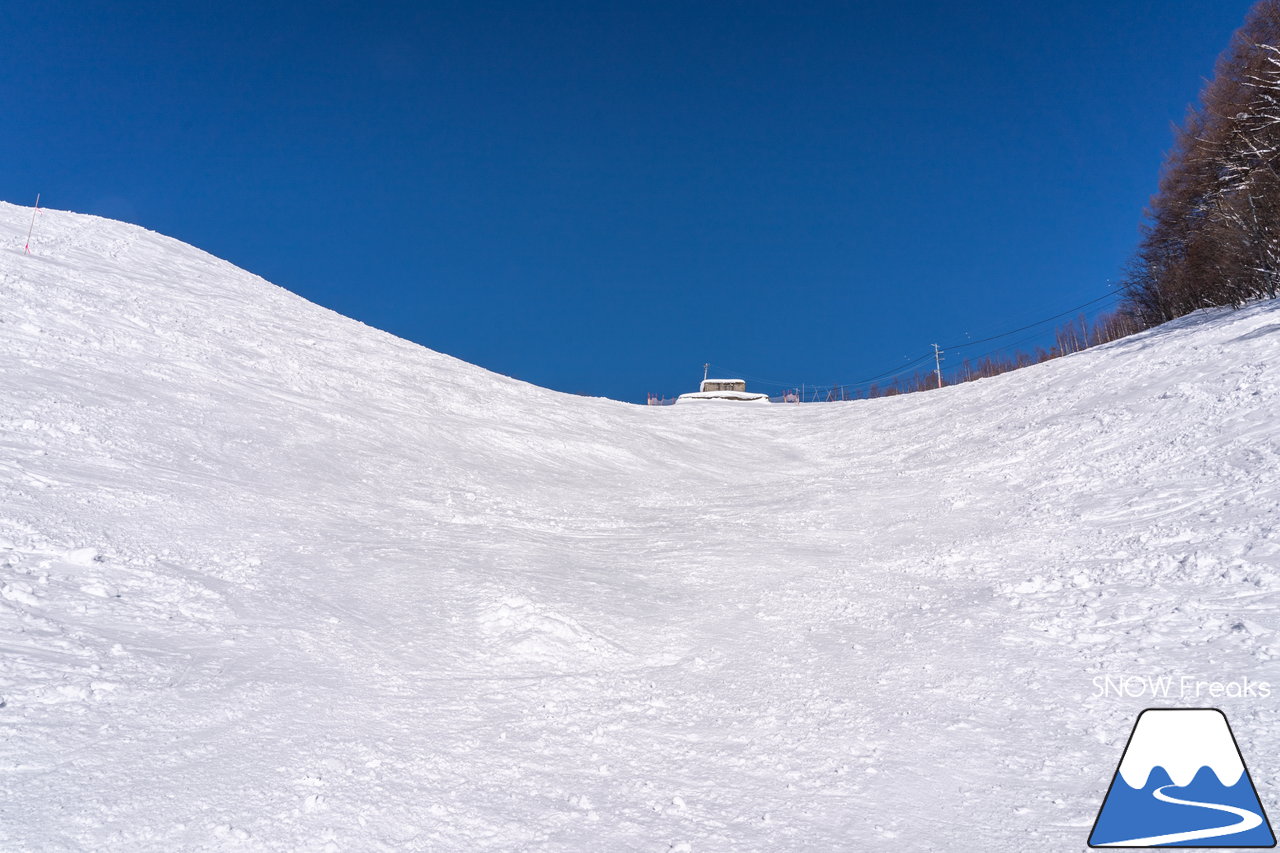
599,197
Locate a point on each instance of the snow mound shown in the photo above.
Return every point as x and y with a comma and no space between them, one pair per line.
523,629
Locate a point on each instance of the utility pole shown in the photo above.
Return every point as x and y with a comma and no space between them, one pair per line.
937,363
705,368
27,248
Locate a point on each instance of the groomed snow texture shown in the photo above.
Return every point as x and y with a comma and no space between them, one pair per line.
273,580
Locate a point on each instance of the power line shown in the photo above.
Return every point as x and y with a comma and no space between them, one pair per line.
935,352
1005,347
1112,295
889,374
893,371
896,371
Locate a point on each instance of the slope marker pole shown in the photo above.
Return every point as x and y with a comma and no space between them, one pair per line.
27,248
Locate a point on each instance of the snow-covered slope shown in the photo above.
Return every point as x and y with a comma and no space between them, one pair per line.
274,580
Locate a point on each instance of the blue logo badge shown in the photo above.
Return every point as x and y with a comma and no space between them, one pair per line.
1182,783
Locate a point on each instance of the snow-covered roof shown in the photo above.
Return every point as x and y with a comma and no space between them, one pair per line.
737,396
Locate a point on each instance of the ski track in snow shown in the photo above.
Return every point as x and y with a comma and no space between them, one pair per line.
273,580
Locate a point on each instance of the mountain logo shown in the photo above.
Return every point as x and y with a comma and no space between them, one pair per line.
1182,783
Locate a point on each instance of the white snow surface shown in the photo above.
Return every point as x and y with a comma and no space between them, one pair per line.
1181,741
273,580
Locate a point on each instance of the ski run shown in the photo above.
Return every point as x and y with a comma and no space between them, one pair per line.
273,580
